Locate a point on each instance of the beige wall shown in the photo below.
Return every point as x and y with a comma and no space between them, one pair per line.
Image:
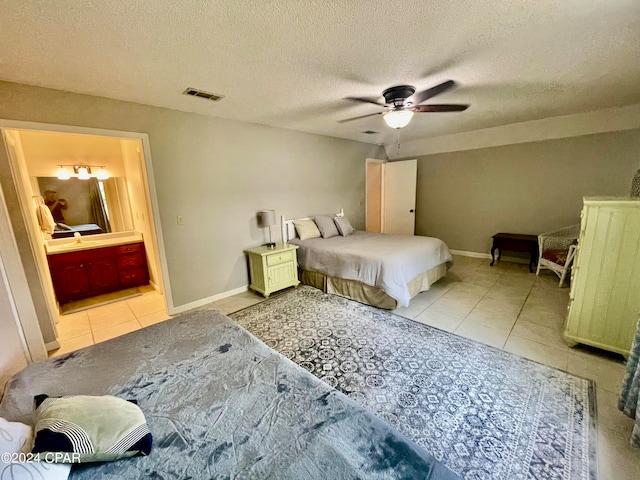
217,174
466,197
45,151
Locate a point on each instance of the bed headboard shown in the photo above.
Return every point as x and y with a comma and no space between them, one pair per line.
289,231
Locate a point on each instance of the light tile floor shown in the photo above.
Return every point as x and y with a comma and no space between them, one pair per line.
88,327
504,306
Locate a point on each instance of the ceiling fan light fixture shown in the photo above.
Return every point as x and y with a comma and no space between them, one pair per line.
398,118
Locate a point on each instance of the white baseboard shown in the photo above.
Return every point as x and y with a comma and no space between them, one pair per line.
52,345
464,253
470,254
204,301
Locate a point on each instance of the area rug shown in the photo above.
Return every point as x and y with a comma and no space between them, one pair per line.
92,302
485,413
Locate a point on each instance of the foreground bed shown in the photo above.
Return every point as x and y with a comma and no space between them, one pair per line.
221,404
378,269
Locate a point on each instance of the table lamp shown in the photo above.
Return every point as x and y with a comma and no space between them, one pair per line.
268,218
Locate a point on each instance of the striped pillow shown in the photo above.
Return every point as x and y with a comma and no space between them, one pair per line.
90,429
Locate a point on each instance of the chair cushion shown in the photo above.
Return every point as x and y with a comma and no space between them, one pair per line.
556,256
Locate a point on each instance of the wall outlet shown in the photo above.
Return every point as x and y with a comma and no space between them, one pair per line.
180,220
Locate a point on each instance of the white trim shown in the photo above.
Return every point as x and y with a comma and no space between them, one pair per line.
205,301
52,345
464,253
15,280
564,126
7,124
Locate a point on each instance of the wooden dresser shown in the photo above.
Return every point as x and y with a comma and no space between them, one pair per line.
604,301
94,271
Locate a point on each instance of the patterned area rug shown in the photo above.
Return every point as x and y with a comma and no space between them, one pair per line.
486,413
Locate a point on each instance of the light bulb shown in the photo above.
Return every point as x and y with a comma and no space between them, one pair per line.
83,173
102,174
398,118
63,173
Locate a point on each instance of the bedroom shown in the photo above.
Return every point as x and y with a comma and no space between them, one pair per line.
218,172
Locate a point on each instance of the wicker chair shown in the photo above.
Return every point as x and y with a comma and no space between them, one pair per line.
557,250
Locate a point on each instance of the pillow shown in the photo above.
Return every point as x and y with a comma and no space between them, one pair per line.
62,226
14,436
90,429
306,229
15,440
326,226
344,226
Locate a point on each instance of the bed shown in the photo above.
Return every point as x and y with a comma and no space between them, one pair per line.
67,231
378,269
222,404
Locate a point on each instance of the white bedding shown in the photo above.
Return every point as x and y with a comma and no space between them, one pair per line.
388,262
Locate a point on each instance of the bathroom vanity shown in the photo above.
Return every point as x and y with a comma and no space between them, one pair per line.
95,266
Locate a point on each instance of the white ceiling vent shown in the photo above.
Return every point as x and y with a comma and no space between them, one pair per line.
194,92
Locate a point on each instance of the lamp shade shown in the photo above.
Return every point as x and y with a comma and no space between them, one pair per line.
398,118
268,218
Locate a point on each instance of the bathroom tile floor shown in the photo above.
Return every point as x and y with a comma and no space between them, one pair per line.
504,306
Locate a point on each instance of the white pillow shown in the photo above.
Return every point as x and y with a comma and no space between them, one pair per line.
306,229
15,440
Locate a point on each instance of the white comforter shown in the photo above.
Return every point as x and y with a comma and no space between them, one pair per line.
388,262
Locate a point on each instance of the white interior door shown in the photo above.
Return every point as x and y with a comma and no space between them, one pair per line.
399,193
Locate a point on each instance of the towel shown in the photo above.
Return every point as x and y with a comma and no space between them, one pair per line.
45,220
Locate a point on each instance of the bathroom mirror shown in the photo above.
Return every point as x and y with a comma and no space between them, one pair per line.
89,207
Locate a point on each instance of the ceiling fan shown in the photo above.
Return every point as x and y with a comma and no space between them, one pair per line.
402,101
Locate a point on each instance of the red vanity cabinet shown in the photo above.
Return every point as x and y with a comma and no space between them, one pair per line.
87,273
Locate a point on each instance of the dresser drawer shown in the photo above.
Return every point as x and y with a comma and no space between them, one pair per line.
130,260
129,248
281,257
133,276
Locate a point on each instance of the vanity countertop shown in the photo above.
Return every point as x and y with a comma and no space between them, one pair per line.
89,242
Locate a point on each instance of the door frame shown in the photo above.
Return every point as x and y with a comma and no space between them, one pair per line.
24,303
366,186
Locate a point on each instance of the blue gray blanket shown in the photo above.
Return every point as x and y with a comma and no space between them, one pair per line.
221,404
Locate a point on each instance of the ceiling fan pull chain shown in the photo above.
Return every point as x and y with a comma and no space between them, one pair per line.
398,145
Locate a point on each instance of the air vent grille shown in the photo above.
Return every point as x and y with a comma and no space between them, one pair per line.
194,92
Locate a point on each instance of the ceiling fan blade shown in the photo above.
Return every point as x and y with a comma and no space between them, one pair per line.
358,118
365,100
425,95
439,108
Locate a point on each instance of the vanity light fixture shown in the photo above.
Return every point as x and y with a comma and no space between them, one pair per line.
83,172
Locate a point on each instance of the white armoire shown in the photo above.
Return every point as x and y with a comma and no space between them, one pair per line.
604,301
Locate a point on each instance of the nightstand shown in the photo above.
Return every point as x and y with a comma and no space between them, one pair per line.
273,269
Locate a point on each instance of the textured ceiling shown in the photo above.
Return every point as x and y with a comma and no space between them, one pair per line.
290,63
